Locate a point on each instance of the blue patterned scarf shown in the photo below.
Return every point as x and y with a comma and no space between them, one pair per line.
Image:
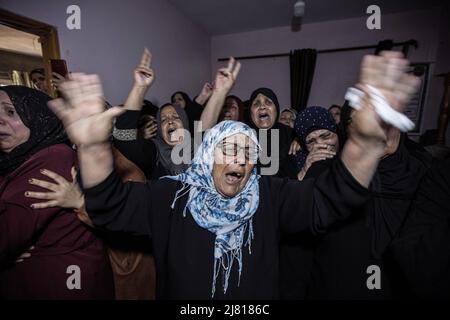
228,218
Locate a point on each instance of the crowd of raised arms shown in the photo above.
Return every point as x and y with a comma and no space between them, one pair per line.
219,197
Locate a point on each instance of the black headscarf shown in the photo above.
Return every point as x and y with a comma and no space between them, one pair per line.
185,96
164,150
192,108
269,94
149,108
312,119
309,120
287,164
346,119
45,128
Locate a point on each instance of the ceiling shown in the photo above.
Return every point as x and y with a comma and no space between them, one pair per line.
18,41
231,16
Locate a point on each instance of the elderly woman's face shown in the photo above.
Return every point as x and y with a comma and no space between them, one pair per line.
322,136
171,126
287,118
233,164
179,100
12,130
263,112
231,110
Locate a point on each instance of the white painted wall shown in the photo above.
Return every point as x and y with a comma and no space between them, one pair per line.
334,71
113,35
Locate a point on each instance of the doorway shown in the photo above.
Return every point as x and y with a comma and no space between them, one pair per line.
26,44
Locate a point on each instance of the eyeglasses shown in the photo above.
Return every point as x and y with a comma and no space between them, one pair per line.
233,149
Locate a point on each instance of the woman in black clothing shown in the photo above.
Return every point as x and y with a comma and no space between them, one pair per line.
147,126
222,205
422,250
316,131
275,138
193,108
348,262
318,137
152,156
264,111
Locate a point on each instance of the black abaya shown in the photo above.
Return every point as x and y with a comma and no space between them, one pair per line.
184,252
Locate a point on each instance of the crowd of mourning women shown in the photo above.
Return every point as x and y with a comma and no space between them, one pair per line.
271,203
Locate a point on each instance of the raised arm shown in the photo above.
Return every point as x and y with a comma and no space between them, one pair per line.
368,133
224,82
88,125
336,193
110,203
205,94
127,139
143,79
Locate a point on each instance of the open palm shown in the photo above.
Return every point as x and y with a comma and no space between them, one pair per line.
83,110
387,73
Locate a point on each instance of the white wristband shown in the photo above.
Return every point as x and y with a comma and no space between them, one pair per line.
381,106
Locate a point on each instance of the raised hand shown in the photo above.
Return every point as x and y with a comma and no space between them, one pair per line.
368,134
226,77
387,73
207,90
56,80
143,79
143,74
205,94
83,111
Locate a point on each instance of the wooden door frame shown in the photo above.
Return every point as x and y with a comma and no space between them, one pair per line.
48,37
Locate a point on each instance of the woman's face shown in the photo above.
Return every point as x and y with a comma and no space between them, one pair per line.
179,100
12,130
171,126
336,113
38,80
322,136
287,118
263,112
233,164
230,110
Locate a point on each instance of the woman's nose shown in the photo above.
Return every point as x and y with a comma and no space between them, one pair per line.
240,158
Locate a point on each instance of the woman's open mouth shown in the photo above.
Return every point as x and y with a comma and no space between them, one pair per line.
264,116
171,133
233,177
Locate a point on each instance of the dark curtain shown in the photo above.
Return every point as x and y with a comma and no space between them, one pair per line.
302,64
